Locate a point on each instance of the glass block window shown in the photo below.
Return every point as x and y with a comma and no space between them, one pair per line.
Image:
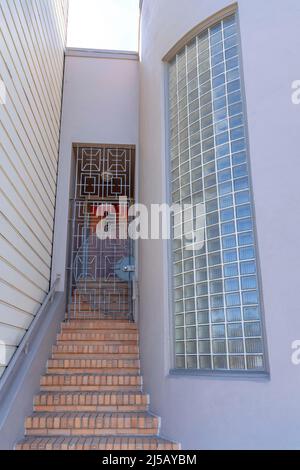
216,296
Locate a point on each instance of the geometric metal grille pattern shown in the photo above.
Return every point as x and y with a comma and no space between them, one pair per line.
217,305
105,173
103,176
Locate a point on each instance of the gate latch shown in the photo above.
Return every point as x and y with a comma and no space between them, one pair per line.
129,269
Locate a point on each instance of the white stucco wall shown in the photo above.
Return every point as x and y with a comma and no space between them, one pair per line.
100,106
230,412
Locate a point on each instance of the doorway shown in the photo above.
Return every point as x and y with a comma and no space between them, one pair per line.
102,266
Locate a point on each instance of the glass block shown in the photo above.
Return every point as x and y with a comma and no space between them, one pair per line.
252,329
178,294
191,362
228,228
232,300
246,239
234,314
226,201
189,292
218,316
191,332
241,183
249,283
179,307
202,289
237,362
189,305
190,318
180,347
244,225
179,320
218,331
205,362
254,345
213,231
227,214
246,253
214,259
251,313
179,334
243,211
203,332
220,362
235,330
232,285
204,347
203,317
236,346
201,275
216,301
191,347
219,347
248,267
222,164
215,287
229,242
180,362
202,303
255,362
225,188
231,270
214,245
229,256
212,205
250,297
216,272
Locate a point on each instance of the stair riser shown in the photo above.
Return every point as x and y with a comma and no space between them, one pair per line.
91,408
100,447
93,364
113,325
95,349
98,370
113,337
79,356
91,388
92,432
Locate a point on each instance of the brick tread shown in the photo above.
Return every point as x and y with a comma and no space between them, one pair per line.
97,443
91,401
70,423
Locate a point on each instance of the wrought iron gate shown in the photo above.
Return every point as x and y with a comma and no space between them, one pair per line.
101,272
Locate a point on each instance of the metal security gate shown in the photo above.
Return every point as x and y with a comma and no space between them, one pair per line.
102,269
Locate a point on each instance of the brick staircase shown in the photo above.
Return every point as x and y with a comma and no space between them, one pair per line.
91,397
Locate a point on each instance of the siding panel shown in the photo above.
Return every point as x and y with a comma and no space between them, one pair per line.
32,37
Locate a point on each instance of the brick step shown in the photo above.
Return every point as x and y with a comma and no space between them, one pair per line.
93,365
99,307
99,424
77,348
91,401
60,355
89,443
90,382
96,342
111,331
105,324
98,336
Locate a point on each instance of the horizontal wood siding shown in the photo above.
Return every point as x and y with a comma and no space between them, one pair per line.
32,39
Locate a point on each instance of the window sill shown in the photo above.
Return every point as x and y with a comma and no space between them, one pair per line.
233,375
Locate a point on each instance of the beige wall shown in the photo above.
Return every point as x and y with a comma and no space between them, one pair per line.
100,106
32,36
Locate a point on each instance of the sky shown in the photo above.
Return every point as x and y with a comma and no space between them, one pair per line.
104,24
